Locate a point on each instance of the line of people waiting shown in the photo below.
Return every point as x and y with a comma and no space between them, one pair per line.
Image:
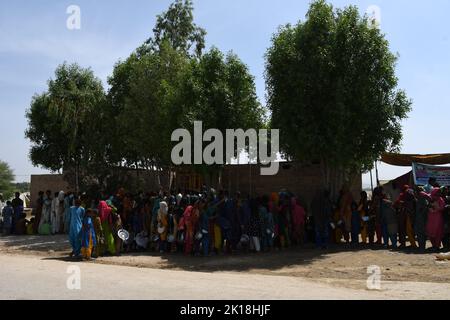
210,223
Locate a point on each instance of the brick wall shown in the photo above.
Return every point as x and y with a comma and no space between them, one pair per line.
303,180
44,182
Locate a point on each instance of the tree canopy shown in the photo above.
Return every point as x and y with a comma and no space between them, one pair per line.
165,84
176,26
6,180
331,87
332,90
64,122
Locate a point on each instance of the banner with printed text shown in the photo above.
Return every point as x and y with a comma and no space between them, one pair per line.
422,172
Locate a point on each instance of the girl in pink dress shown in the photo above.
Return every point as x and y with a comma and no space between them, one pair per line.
435,221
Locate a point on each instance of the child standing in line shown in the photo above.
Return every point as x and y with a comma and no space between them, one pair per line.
7,213
88,239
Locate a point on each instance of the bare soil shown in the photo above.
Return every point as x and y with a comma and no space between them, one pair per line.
336,265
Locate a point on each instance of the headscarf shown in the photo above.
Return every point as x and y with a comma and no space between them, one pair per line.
437,198
163,208
104,212
435,193
186,218
298,212
179,197
274,197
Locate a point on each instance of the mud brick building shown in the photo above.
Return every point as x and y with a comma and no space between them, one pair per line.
303,180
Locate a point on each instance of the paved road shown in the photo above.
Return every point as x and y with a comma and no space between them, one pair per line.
25,277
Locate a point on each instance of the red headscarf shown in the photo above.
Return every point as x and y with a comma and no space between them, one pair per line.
104,211
298,213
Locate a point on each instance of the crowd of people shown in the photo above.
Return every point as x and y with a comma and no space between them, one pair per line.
13,218
209,222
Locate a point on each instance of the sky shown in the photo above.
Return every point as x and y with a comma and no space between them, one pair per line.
34,40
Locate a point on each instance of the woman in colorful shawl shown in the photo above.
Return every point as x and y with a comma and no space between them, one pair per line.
46,211
116,226
267,226
422,206
375,215
127,210
147,218
435,222
88,238
346,212
367,228
38,212
356,223
226,219
154,223
163,224
214,233
76,224
389,221
236,230
254,228
244,215
186,225
405,205
99,236
204,226
198,209
298,221
446,218
273,208
322,209
283,221
104,212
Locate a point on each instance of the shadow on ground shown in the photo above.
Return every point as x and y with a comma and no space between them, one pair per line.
338,261
35,243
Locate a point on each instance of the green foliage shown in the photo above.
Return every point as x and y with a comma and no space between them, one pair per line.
332,92
332,89
145,112
22,187
222,93
65,122
6,181
162,87
176,26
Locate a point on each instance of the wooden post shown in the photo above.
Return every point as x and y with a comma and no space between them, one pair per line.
376,174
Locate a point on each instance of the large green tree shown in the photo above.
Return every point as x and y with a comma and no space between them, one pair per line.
176,26
221,93
165,84
143,88
65,123
147,113
332,91
168,83
6,180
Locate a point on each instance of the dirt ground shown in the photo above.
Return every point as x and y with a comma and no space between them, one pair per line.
338,264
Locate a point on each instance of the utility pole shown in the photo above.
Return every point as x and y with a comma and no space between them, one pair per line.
376,174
